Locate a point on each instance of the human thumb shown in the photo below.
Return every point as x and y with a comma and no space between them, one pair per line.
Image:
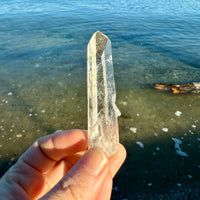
89,179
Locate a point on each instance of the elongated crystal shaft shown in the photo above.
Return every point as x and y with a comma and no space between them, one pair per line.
102,110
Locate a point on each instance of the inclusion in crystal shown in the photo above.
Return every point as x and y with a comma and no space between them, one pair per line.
102,111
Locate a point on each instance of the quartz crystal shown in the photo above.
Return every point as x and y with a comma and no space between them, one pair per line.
102,110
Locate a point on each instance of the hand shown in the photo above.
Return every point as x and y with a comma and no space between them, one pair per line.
58,167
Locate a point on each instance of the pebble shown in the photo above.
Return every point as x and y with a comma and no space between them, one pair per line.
124,103
37,65
10,93
150,184
189,176
190,132
165,129
19,135
178,148
157,148
179,184
194,126
133,129
140,144
178,113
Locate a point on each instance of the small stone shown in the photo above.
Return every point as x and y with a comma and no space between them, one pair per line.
19,135
178,148
37,65
190,132
133,129
189,176
12,159
179,184
124,103
165,129
194,126
150,184
178,113
140,144
43,111
10,93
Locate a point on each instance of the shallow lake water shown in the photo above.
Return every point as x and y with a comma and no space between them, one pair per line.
43,47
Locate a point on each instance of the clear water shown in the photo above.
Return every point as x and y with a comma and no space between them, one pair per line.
43,79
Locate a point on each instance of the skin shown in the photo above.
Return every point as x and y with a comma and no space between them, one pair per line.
58,167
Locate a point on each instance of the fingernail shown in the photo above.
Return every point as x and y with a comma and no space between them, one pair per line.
94,161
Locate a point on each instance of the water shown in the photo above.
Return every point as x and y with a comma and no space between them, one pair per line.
43,82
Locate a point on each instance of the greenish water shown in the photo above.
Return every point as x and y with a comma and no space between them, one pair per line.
43,84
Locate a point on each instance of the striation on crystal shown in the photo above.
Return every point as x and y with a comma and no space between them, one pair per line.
102,111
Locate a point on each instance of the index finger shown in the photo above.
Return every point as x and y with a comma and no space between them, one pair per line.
48,150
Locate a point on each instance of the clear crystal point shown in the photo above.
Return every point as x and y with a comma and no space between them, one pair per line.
102,110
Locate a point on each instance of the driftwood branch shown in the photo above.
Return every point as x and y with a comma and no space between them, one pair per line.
178,88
